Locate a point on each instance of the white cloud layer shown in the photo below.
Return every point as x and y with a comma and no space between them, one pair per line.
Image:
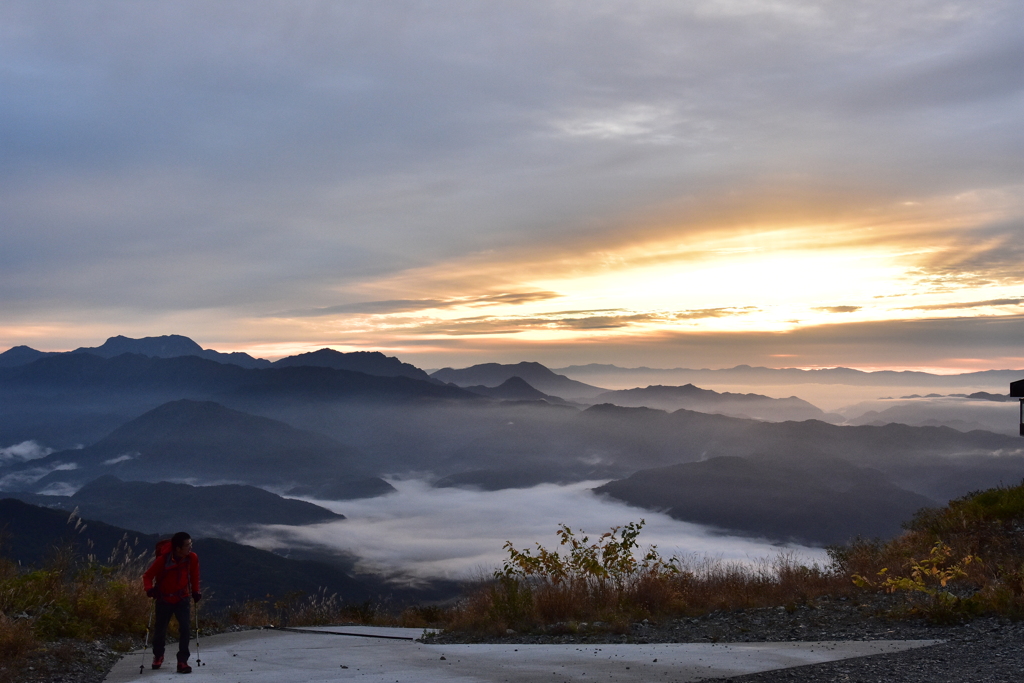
22,452
459,533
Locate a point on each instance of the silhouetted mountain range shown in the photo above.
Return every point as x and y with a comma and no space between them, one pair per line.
538,377
20,355
204,441
369,362
605,441
165,507
819,501
65,399
753,376
332,432
176,346
961,413
708,401
78,371
514,389
904,453
169,346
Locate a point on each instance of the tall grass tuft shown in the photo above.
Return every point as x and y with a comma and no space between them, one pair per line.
72,596
318,609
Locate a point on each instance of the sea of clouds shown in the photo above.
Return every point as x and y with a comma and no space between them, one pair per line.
457,533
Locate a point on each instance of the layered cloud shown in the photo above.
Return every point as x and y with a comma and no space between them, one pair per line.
951,306
370,174
408,305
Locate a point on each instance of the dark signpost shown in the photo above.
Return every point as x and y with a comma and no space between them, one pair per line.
1017,391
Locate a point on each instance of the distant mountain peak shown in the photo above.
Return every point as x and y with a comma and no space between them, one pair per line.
207,441
20,355
514,389
535,374
168,346
165,346
368,362
692,397
515,383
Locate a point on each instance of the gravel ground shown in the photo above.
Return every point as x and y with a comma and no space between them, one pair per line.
985,650
64,661
77,661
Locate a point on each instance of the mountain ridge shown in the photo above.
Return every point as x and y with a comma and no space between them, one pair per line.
168,346
68,399
536,375
837,375
827,501
176,346
369,362
203,440
691,397
164,507
514,389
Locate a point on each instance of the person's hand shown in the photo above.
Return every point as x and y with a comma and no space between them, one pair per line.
196,596
152,592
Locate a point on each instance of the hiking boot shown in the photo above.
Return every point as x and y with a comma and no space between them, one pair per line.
184,668
157,661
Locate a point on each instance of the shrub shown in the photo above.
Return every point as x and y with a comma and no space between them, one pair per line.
612,582
599,580
954,562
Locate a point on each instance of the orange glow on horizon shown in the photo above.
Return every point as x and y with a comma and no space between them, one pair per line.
641,286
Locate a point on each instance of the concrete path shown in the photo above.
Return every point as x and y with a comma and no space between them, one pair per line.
288,657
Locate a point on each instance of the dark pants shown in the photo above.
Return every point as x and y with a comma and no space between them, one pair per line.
182,612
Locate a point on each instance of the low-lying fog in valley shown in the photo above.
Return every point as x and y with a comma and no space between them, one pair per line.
932,404
428,532
434,473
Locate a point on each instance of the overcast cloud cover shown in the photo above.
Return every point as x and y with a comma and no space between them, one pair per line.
515,179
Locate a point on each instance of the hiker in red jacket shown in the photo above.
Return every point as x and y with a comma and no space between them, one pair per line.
172,579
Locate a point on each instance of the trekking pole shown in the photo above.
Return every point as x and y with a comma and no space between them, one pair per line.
199,662
145,645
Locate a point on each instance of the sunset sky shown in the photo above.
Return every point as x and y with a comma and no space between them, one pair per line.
694,184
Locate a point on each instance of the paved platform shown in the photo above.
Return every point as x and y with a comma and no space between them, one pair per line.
291,657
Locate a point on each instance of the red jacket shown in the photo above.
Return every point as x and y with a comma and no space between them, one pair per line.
175,580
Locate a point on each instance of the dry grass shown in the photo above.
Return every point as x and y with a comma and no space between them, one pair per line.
693,586
251,613
319,609
953,563
17,638
71,597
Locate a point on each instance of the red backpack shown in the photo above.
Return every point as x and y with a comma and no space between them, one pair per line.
163,549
